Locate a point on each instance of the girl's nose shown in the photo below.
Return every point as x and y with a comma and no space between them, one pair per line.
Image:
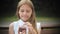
25,13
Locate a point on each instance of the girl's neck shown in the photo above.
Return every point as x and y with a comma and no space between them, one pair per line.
24,21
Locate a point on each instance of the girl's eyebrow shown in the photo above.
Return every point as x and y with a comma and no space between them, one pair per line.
26,9
21,9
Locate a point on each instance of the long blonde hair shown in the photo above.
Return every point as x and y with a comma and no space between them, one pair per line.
29,3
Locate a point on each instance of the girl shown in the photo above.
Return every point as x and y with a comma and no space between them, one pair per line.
26,23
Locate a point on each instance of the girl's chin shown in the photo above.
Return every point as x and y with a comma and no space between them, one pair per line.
25,20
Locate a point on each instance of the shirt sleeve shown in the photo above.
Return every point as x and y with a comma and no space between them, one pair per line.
38,25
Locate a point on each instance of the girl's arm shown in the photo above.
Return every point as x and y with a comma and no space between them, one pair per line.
11,29
31,29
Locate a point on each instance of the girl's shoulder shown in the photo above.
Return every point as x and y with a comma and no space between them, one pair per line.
38,25
12,24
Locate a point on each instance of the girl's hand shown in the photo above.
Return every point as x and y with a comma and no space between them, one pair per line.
30,27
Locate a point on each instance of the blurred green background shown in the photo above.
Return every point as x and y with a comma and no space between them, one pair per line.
46,10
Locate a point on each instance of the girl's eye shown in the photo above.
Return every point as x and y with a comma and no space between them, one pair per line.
22,10
27,11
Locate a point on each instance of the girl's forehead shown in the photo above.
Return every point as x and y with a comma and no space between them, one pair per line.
25,6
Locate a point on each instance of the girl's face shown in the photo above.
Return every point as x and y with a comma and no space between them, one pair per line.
25,12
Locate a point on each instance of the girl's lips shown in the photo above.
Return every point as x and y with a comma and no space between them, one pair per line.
25,16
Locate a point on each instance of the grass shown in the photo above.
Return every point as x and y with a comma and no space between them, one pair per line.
8,19
46,18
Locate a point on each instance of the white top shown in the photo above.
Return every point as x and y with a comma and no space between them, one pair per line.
20,23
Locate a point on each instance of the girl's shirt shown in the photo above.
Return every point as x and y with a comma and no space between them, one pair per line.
20,23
